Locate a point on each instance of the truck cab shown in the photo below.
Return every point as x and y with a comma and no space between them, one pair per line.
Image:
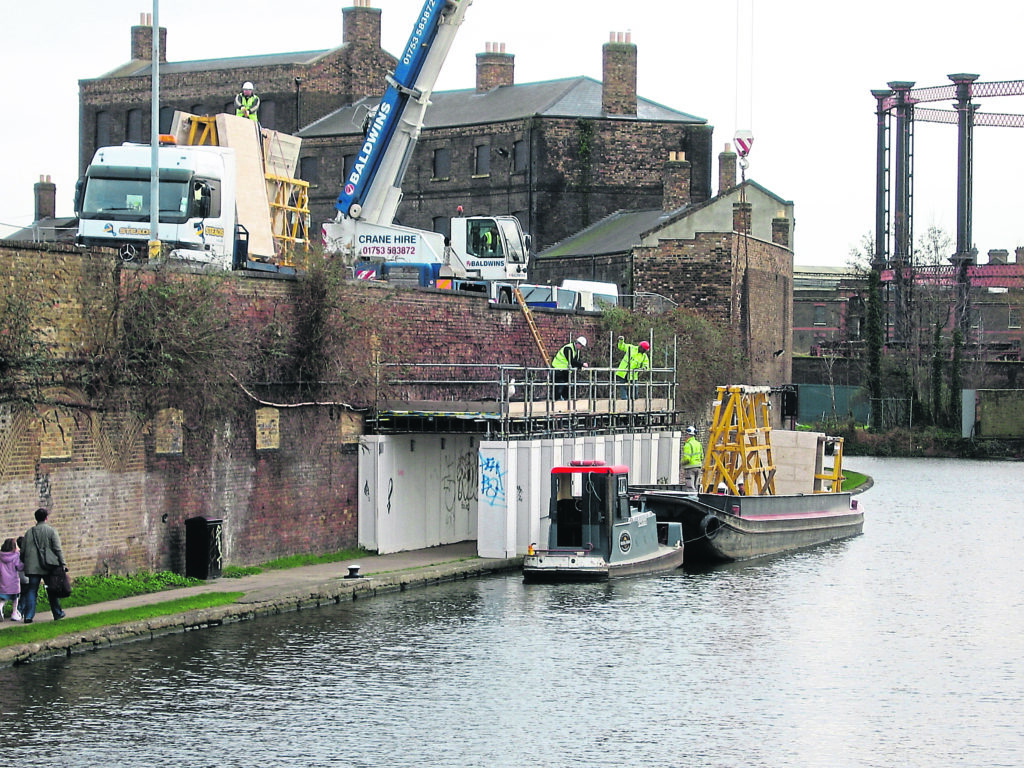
196,202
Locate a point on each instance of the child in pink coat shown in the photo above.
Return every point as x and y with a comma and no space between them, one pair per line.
10,583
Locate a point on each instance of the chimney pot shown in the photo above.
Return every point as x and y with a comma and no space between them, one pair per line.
45,198
618,87
726,169
361,24
494,68
675,182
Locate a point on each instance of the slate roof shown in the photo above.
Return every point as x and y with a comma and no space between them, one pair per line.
568,97
49,230
618,232
143,68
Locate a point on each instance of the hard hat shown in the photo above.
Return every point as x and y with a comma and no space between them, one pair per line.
582,341
722,487
691,430
246,86
644,346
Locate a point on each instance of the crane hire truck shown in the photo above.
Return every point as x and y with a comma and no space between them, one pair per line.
486,254
215,198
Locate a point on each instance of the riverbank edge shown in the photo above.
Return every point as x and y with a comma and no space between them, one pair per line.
254,605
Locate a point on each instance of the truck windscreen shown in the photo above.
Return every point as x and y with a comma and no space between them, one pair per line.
128,199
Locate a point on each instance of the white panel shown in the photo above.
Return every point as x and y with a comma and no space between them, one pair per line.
495,528
367,505
669,455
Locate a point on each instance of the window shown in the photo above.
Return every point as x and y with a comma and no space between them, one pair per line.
442,163
1014,320
133,126
520,157
350,161
309,170
268,114
103,127
166,118
482,164
819,314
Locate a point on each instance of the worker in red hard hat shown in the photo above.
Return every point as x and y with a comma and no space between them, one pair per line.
568,358
634,360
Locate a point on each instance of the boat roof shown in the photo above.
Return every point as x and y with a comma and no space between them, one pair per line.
593,466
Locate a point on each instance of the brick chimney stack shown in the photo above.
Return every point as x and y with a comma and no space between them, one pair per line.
1018,254
675,182
741,217
726,169
142,39
618,90
46,198
998,256
494,68
361,24
780,230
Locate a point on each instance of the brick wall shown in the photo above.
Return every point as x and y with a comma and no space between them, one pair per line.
121,506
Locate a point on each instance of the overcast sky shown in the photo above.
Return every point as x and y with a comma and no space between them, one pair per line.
798,73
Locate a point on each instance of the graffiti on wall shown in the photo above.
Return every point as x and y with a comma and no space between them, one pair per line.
458,483
492,482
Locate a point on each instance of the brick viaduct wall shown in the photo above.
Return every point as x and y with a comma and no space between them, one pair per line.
120,504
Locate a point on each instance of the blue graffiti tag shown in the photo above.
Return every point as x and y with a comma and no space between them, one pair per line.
492,482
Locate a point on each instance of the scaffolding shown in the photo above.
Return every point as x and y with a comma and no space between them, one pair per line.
519,402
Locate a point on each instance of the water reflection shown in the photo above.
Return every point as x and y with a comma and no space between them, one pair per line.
899,647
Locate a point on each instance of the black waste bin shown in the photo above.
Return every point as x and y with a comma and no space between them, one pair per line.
204,551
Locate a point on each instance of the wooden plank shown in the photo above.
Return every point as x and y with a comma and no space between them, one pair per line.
253,208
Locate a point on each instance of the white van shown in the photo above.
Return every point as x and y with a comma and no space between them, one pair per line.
592,295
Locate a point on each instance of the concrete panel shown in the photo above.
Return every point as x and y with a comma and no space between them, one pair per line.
669,453
417,491
369,476
496,523
795,455
253,206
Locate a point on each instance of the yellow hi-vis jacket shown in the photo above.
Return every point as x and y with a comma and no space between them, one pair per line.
250,103
568,357
632,362
693,453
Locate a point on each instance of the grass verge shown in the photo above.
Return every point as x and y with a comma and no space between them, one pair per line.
21,634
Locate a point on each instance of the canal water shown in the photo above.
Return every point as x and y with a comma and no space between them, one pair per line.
902,647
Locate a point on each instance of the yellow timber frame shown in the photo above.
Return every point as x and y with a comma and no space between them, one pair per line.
289,216
288,198
740,443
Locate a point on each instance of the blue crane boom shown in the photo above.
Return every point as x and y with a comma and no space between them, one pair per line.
372,190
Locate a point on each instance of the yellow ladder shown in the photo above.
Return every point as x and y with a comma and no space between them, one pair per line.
740,443
533,326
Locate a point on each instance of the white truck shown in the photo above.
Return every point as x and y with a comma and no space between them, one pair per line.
483,253
215,198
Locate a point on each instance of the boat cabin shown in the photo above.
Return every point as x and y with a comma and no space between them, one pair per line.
588,498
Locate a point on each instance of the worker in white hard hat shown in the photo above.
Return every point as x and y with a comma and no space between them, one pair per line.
568,358
693,460
247,103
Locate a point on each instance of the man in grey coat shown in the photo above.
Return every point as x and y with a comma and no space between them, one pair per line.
42,553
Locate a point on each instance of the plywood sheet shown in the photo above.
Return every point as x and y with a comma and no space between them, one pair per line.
241,134
282,153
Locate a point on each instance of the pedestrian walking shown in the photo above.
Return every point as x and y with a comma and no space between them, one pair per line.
43,553
10,582
634,360
568,358
22,579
